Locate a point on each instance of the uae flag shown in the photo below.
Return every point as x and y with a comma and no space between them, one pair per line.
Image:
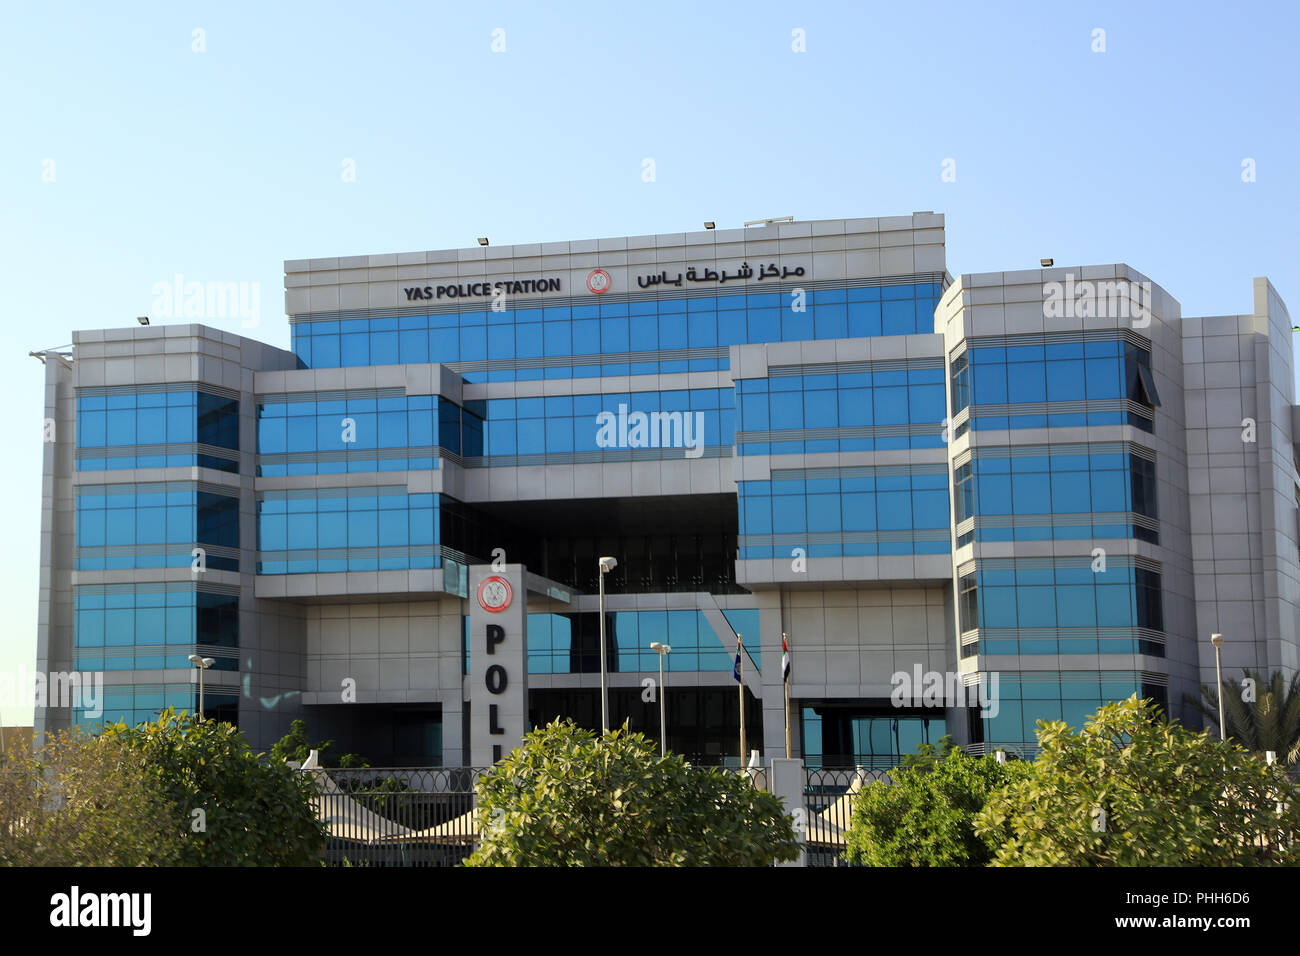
785,660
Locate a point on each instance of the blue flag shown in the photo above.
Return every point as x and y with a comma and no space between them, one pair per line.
735,670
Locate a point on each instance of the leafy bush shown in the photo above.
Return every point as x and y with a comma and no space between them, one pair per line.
82,801
255,812
926,817
1132,789
568,798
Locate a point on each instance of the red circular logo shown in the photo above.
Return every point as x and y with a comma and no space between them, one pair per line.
598,281
494,594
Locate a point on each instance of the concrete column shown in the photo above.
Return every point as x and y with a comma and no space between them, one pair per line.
786,781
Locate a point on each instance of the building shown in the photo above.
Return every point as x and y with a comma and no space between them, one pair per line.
970,503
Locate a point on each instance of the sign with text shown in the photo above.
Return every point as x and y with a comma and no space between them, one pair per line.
498,662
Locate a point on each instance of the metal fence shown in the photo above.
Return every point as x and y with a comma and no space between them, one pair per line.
403,816
398,816
828,796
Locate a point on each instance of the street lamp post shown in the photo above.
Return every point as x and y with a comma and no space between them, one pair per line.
606,565
661,650
1217,641
202,663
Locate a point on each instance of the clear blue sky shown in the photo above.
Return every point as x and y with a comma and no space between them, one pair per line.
219,165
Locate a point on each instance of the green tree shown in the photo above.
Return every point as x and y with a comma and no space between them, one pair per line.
1261,715
232,807
295,745
926,816
927,753
1132,789
568,798
82,801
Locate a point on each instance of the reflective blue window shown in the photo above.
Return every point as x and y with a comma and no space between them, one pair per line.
591,331
155,526
1063,598
1026,698
360,432
996,483
123,429
1058,372
349,529
855,513
570,643
862,401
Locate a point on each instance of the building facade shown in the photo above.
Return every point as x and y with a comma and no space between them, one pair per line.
970,504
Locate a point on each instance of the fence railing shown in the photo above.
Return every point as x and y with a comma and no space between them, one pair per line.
401,816
397,816
828,797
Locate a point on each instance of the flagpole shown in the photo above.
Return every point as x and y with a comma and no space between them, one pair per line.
741,687
785,679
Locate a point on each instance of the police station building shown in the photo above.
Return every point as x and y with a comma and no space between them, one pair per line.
970,503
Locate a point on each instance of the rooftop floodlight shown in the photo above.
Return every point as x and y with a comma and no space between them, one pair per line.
1046,263
142,319
710,225
482,240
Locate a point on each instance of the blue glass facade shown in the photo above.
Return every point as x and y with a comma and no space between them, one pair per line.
153,627
1071,696
1104,485
326,530
606,425
1061,606
1083,382
335,433
123,428
1084,493
135,703
1074,601
155,525
595,340
851,512
570,643
846,411
875,741
149,618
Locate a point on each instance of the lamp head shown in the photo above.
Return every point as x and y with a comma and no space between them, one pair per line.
608,564
1216,640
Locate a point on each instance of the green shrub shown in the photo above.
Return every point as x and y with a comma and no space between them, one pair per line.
1132,789
232,807
926,816
568,798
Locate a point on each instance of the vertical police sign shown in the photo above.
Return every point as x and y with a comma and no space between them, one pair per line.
498,662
